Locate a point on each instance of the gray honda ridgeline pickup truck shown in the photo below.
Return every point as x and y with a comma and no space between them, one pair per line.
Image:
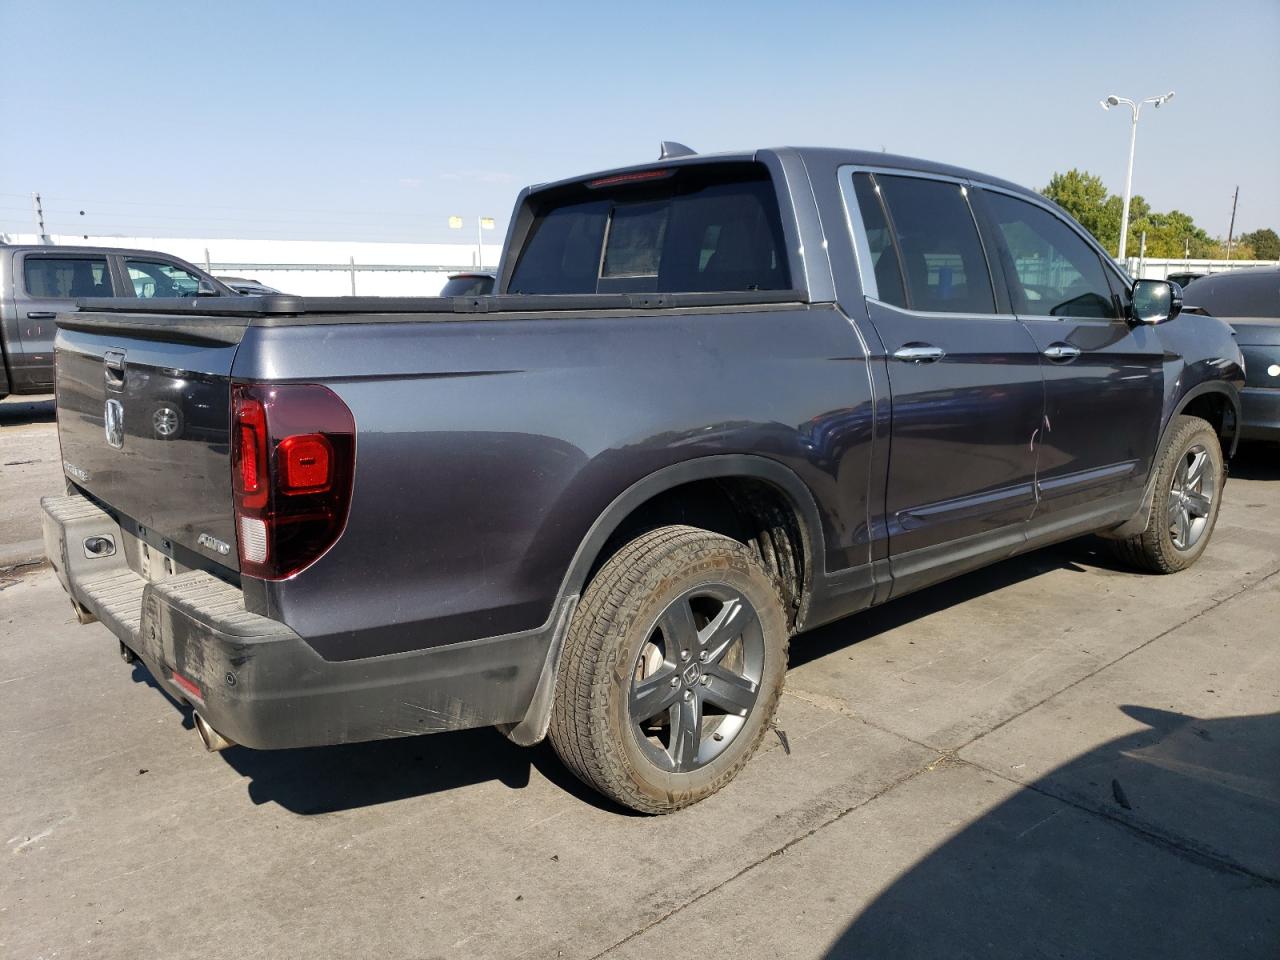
715,401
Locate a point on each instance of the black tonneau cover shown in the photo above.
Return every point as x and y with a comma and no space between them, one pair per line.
223,320
287,305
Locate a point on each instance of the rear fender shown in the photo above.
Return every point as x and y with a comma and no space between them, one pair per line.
533,728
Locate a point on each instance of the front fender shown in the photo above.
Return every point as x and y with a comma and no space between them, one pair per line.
1229,390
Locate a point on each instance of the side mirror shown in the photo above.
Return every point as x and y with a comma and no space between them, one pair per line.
1155,301
207,289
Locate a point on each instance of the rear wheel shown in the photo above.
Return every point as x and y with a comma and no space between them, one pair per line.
1189,480
671,671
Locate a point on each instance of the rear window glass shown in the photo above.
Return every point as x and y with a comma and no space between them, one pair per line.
64,278
705,228
1236,294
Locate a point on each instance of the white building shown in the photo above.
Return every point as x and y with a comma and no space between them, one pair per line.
311,267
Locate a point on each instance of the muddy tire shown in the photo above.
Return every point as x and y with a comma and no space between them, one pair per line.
671,671
1188,493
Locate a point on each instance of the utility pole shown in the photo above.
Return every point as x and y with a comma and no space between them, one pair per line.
1232,229
35,200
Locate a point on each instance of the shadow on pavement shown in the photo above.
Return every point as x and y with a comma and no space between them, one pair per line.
15,413
1074,555
316,780
326,779
1255,461
1196,873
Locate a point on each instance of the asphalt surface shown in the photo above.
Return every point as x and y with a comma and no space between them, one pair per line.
1053,757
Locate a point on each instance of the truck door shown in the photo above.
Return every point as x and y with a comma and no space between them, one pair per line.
1104,379
46,284
968,397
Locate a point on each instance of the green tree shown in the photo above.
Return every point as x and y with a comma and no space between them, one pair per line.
1084,196
1170,234
1240,250
1113,211
1265,244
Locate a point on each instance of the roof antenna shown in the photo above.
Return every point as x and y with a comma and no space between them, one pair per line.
670,149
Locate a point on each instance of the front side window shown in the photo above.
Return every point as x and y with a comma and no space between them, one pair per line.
1056,273
66,278
696,229
938,242
154,278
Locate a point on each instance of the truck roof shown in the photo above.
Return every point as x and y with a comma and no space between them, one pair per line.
811,156
66,248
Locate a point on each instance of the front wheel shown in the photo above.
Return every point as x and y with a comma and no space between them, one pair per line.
1189,479
671,670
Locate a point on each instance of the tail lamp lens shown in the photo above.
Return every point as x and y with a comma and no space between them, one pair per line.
293,461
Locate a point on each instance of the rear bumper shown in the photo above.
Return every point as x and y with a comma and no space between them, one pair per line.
1260,413
260,684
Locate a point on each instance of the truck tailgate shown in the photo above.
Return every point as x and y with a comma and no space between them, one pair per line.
144,423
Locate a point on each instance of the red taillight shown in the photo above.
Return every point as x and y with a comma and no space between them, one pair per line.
304,463
250,455
293,460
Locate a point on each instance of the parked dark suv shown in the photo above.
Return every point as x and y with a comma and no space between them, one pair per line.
1249,300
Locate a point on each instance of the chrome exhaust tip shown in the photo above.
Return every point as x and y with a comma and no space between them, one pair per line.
213,740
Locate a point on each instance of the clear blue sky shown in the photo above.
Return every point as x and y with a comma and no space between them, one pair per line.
377,120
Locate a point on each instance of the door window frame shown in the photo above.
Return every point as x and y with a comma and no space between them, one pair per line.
862,247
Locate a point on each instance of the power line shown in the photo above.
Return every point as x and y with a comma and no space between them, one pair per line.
255,209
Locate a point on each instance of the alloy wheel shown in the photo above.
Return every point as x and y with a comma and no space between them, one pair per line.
1191,497
697,677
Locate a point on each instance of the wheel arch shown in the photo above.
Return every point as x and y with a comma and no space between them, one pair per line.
727,467
1215,402
601,538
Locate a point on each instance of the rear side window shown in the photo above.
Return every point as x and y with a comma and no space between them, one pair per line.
63,278
884,258
1056,273
938,244
702,228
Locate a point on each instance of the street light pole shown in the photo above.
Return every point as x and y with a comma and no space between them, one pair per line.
482,224
1135,108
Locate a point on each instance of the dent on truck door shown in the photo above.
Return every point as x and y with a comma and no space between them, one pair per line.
968,396
1103,378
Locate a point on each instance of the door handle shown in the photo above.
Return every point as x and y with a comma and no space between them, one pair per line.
41,315
113,367
1061,352
919,353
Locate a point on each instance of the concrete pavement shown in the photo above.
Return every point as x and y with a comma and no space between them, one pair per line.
1051,757
30,467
